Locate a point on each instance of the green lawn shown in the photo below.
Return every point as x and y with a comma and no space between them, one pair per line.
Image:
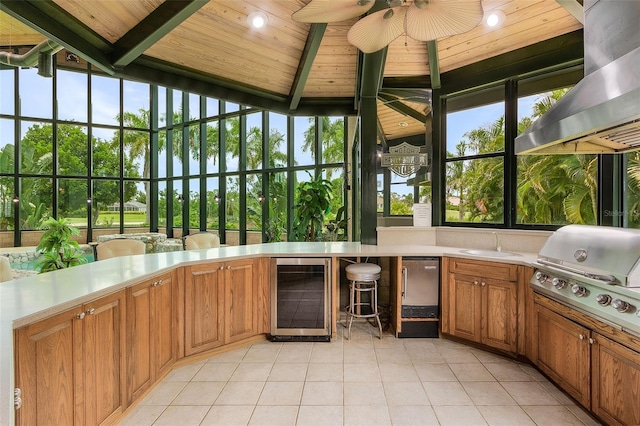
105,218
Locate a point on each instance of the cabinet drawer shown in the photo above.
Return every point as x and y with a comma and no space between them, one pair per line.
498,271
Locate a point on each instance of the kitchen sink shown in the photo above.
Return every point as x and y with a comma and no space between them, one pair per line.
489,253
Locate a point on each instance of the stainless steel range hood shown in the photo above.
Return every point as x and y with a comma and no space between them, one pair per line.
601,114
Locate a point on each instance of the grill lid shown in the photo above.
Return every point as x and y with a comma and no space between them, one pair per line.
601,252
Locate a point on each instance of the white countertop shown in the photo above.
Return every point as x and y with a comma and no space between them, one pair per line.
29,299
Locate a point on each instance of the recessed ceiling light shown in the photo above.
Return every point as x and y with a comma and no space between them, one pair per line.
494,18
257,19
403,124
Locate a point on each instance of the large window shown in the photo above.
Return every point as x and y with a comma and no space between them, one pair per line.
475,164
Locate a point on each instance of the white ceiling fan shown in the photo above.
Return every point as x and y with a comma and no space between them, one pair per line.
419,19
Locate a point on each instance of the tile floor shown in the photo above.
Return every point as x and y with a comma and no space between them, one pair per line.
362,381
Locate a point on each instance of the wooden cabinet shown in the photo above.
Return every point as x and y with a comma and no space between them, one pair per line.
70,367
562,352
599,372
151,333
480,301
615,383
221,304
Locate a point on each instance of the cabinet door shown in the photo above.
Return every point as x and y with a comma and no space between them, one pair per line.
103,365
204,304
465,307
562,352
163,342
616,382
44,363
139,354
241,301
500,314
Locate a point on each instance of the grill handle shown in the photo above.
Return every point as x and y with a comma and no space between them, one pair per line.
607,279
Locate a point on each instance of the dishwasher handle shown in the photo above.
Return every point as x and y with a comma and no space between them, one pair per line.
405,278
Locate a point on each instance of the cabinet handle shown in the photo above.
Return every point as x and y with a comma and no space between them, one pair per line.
91,311
154,284
476,283
80,315
483,284
581,336
159,282
17,400
222,268
229,267
592,340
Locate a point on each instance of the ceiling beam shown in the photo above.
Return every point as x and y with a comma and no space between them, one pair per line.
381,136
152,28
574,7
396,105
420,96
316,32
434,63
55,23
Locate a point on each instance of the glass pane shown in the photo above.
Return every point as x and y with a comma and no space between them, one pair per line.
136,103
39,106
380,193
335,221
213,203
7,146
194,149
162,106
72,201
7,85
231,107
277,226
401,196
162,203
232,203
476,131
194,106
474,190
105,100
177,106
137,146
212,107
36,148
632,199
73,156
177,151
162,154
299,229
135,206
277,140
194,203
35,202
304,141
106,153
255,199
6,202
72,95
554,189
213,147
232,144
254,141
332,139
105,202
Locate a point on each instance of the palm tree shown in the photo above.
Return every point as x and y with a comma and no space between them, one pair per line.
332,140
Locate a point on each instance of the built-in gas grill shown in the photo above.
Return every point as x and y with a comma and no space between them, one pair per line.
593,269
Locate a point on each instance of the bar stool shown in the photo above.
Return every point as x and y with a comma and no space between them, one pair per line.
364,279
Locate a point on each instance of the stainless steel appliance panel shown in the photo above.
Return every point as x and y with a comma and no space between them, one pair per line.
420,281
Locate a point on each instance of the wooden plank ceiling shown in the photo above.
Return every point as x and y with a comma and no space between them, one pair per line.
211,45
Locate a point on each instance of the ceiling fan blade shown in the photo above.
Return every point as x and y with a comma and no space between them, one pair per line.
323,11
375,31
442,18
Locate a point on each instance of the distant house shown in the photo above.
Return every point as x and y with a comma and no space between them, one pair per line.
129,206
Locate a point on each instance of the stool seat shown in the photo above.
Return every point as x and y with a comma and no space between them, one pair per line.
364,280
363,272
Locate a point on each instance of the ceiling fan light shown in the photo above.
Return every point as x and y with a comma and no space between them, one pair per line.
324,11
442,18
388,14
375,31
494,18
421,4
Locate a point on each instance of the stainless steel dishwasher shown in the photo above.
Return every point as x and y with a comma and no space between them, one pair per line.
420,297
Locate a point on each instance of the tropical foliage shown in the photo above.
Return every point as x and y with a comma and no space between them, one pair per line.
59,251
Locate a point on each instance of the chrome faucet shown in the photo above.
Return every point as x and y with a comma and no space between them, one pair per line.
498,248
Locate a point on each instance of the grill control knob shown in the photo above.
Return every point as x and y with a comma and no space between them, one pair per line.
558,283
541,277
579,291
620,305
603,299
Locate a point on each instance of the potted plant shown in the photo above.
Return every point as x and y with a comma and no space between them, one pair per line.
313,203
59,251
